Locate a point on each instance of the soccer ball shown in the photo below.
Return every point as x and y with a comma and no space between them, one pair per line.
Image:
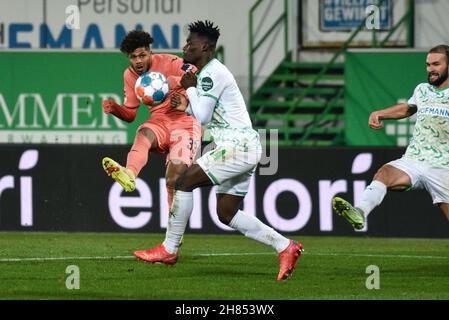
152,88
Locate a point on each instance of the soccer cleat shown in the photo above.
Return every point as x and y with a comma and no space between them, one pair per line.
287,260
125,177
157,254
355,216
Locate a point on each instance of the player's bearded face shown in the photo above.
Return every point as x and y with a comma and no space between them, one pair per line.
437,79
437,69
140,60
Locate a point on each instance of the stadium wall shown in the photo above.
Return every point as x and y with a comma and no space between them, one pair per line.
64,188
61,102
41,25
376,79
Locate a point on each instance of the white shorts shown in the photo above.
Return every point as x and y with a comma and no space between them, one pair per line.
230,168
434,180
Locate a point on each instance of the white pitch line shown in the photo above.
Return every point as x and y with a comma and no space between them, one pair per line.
306,253
64,258
381,255
232,254
126,257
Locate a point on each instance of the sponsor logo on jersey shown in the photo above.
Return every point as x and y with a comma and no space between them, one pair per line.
207,83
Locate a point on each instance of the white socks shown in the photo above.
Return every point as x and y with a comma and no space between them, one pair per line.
177,222
249,225
372,196
253,228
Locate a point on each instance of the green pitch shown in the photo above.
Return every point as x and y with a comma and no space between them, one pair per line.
33,266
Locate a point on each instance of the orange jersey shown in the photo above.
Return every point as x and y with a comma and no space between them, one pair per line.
170,66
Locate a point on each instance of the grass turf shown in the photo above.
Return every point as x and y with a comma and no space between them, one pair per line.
219,267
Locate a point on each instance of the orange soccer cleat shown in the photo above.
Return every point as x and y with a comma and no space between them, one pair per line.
287,259
157,254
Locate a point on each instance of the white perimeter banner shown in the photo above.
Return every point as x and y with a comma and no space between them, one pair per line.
39,24
329,23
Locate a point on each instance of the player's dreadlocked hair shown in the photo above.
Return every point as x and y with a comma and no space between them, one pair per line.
443,49
135,39
206,29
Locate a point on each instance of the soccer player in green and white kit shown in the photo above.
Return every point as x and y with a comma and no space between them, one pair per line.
425,163
215,100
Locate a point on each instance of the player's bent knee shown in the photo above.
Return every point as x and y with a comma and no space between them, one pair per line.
146,132
395,179
225,219
149,134
225,215
182,184
384,175
171,181
381,175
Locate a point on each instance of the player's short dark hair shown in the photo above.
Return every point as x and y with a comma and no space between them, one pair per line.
207,30
135,39
443,49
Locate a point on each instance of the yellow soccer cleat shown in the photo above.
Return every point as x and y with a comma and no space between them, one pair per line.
354,216
125,177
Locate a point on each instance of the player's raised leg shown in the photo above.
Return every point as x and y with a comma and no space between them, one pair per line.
390,176
144,141
354,215
124,176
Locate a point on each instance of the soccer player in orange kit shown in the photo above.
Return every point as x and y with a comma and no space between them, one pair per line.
168,131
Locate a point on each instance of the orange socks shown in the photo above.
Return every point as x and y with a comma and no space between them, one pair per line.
138,156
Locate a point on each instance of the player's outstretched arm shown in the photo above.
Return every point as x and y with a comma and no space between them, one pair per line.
122,112
398,111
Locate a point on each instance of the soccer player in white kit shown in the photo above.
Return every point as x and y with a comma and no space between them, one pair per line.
215,100
425,163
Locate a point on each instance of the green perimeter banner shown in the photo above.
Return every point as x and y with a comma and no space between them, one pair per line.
55,97
375,80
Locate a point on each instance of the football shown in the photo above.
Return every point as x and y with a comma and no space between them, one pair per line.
152,88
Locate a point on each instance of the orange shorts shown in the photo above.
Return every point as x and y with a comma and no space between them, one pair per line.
179,138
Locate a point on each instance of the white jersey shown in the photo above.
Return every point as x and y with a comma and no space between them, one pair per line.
430,143
230,119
